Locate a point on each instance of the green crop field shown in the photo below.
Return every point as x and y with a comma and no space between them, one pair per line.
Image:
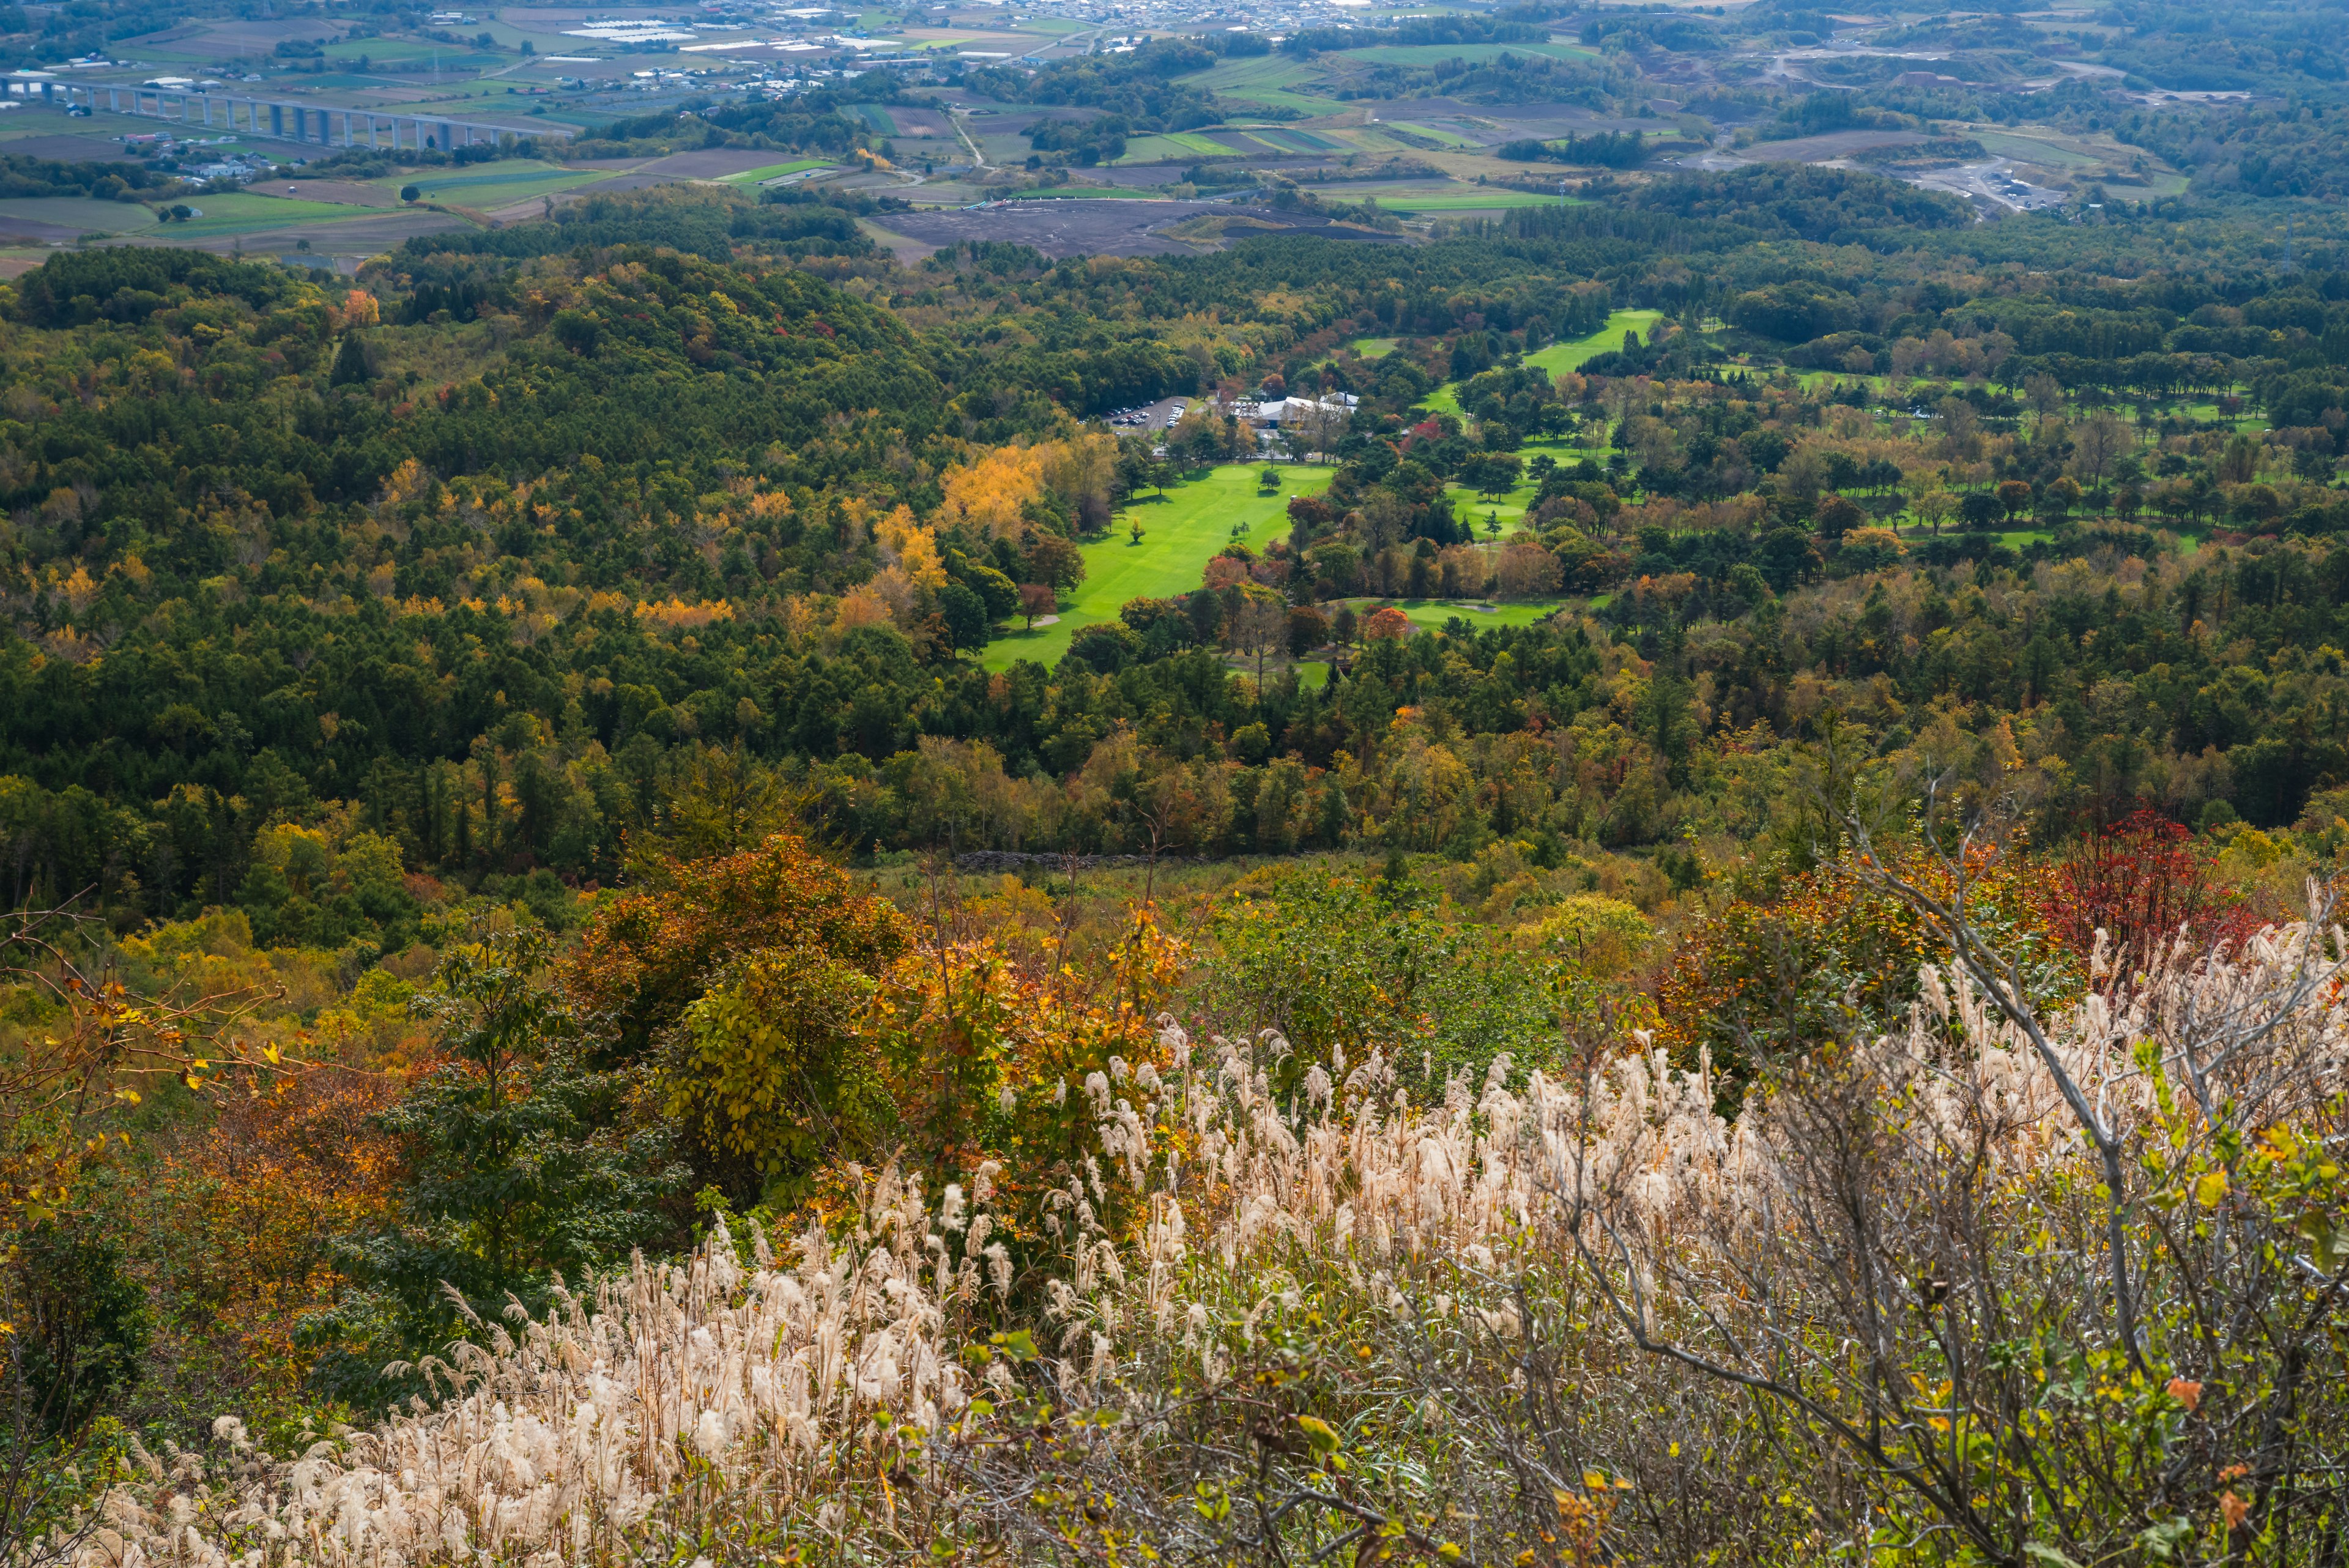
242,212
877,118
1150,150
1493,199
1268,80
1179,534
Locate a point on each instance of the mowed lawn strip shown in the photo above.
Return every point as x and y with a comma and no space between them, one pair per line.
1179,537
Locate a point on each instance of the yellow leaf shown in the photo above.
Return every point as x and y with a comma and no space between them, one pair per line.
1320,1433
2211,1189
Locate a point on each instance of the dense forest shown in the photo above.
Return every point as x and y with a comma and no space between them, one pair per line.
450,593
1713,943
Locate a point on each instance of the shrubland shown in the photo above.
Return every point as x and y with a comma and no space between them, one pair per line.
994,1259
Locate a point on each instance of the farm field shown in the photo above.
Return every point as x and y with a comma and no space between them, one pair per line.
1493,199
1449,137
1271,79
513,181
774,170
244,213
1436,54
1179,534
81,214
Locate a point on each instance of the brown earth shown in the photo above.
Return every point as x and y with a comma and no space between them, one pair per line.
345,193
1821,148
1083,226
66,149
712,163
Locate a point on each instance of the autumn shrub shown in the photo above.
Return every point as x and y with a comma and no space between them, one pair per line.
2144,883
1831,956
1579,1318
235,1229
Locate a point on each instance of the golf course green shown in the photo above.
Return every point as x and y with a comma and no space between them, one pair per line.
1181,531
1560,358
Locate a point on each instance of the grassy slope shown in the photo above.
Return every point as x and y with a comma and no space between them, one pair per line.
1179,534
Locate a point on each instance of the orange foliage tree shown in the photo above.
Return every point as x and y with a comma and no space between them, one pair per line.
236,1231
649,954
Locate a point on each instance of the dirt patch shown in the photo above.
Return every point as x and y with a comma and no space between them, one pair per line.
246,39
26,232
1141,177
66,149
17,266
620,183
1078,227
715,162
343,192
903,248
1017,122
1822,149
919,122
1546,119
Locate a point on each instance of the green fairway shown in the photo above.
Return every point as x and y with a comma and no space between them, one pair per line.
1560,358
1372,348
1431,614
1179,534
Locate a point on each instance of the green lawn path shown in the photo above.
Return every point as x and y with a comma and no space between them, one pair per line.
1179,534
